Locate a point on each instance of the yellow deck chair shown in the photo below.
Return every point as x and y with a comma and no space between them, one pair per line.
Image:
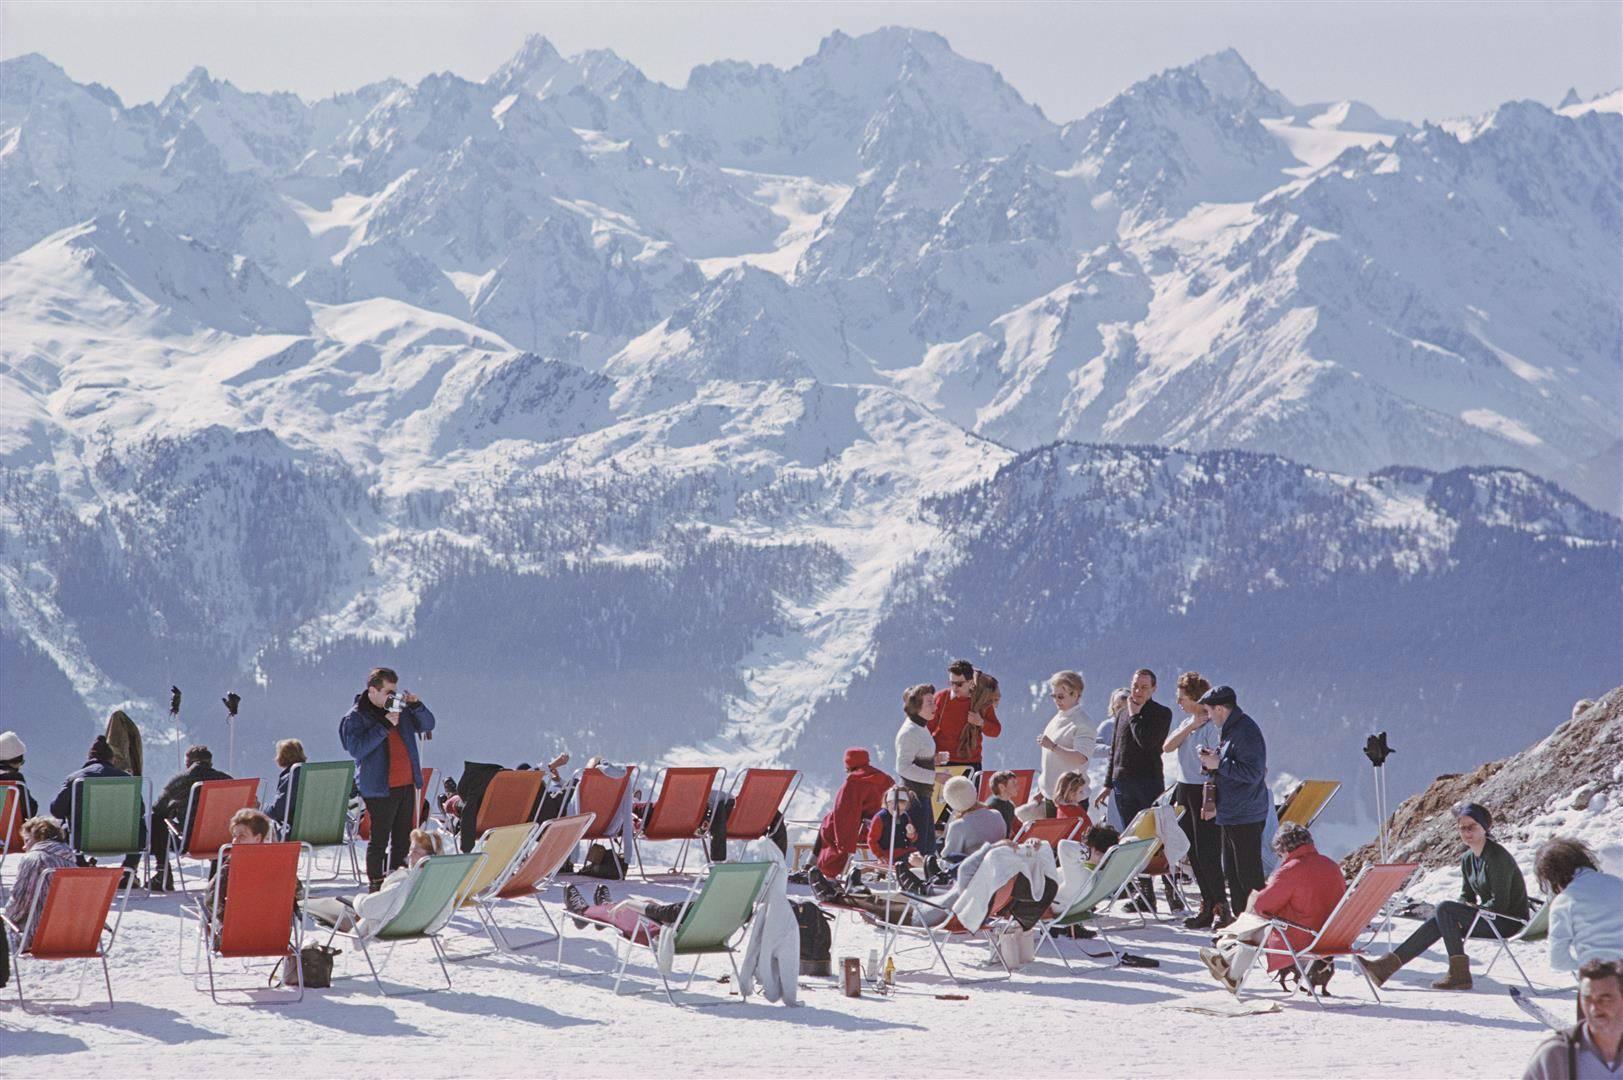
1309,802
505,849
937,804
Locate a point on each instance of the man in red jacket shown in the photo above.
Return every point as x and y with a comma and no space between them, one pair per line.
953,714
1304,890
859,798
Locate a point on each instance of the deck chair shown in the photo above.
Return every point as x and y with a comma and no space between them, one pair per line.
533,876
1309,802
318,815
1142,827
937,803
68,924
1049,830
259,920
1352,916
435,894
1109,883
1023,779
1535,928
761,798
106,817
600,795
717,907
949,931
206,827
504,848
12,801
681,805
509,799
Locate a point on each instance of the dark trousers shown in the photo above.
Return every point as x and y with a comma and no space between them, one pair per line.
1205,844
1242,863
1134,794
1448,923
391,833
919,814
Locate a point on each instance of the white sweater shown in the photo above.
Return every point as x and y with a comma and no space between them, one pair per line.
1586,921
913,742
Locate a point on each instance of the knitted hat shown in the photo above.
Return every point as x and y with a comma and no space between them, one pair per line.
1476,812
11,746
855,758
959,794
101,751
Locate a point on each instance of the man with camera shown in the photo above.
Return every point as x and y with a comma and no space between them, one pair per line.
380,733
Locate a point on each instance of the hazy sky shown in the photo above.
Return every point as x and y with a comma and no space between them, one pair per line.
1409,58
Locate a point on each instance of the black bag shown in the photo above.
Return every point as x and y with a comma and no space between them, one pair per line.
317,963
816,939
603,862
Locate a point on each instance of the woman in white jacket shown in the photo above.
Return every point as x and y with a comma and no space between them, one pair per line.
916,761
1586,906
368,910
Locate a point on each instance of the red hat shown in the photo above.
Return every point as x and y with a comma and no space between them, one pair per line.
855,758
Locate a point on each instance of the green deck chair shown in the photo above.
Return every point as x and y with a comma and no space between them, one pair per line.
1117,869
1537,928
715,911
319,814
436,890
106,817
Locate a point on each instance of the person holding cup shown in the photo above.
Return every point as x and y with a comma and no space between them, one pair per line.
380,733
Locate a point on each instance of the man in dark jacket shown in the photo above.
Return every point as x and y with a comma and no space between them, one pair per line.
171,807
380,733
1134,774
99,763
1240,765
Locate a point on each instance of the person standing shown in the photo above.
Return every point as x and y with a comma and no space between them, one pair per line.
915,762
380,733
1240,764
1134,776
1205,839
1061,741
953,715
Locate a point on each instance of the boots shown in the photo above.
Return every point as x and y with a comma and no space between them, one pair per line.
1381,968
1208,912
1458,977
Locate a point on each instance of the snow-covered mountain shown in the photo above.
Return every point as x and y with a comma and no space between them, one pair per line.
566,388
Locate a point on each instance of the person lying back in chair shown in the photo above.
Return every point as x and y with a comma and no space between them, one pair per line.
370,910
639,920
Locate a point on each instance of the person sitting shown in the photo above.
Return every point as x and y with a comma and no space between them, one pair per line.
289,752
99,763
637,920
1071,797
892,834
1586,906
369,911
859,798
171,807
1303,891
1595,1047
1099,840
45,848
248,826
1492,885
1001,788
12,752
973,824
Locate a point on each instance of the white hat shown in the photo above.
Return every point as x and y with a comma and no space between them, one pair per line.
958,793
11,746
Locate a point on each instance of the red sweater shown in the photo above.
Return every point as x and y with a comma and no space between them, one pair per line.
1304,890
399,760
858,799
951,714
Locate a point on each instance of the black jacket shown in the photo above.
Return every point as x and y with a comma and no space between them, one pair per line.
30,806
178,791
1136,749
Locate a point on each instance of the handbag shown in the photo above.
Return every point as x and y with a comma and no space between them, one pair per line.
317,963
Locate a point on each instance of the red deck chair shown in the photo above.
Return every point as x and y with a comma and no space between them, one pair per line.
1357,910
600,795
533,877
1049,830
1023,779
11,818
991,931
260,919
68,925
678,812
424,793
206,827
760,798
509,799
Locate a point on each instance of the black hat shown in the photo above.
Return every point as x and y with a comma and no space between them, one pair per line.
1219,695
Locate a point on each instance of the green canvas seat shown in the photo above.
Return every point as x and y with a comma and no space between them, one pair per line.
318,813
435,891
107,817
1116,870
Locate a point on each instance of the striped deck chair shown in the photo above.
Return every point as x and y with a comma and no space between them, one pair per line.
1352,917
532,878
681,805
68,924
1309,802
1110,880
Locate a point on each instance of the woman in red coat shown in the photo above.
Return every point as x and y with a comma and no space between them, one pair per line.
858,799
1304,890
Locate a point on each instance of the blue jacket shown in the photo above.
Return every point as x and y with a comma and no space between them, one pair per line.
364,731
62,805
1242,772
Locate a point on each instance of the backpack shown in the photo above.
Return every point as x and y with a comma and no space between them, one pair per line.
603,862
816,939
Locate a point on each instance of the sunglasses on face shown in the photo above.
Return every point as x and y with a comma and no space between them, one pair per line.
960,682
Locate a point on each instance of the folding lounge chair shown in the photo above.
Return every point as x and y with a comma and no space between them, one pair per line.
532,877
949,930
938,804
1023,779
1352,916
319,813
67,924
11,822
206,827
599,794
678,812
760,798
1110,880
1535,928
260,918
106,816
1143,827
1309,802
504,849
435,893
509,799
717,908
1049,830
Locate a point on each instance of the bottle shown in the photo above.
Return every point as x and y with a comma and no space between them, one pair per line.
890,971
873,964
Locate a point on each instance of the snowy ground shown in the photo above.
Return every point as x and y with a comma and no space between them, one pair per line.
508,1017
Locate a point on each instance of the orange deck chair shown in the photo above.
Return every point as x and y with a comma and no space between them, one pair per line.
1023,779
206,828
600,795
1049,830
681,804
260,919
534,876
509,799
68,925
760,797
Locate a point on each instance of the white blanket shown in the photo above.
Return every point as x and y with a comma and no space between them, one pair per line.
772,958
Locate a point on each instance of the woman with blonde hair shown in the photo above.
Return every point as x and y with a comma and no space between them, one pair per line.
1059,742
